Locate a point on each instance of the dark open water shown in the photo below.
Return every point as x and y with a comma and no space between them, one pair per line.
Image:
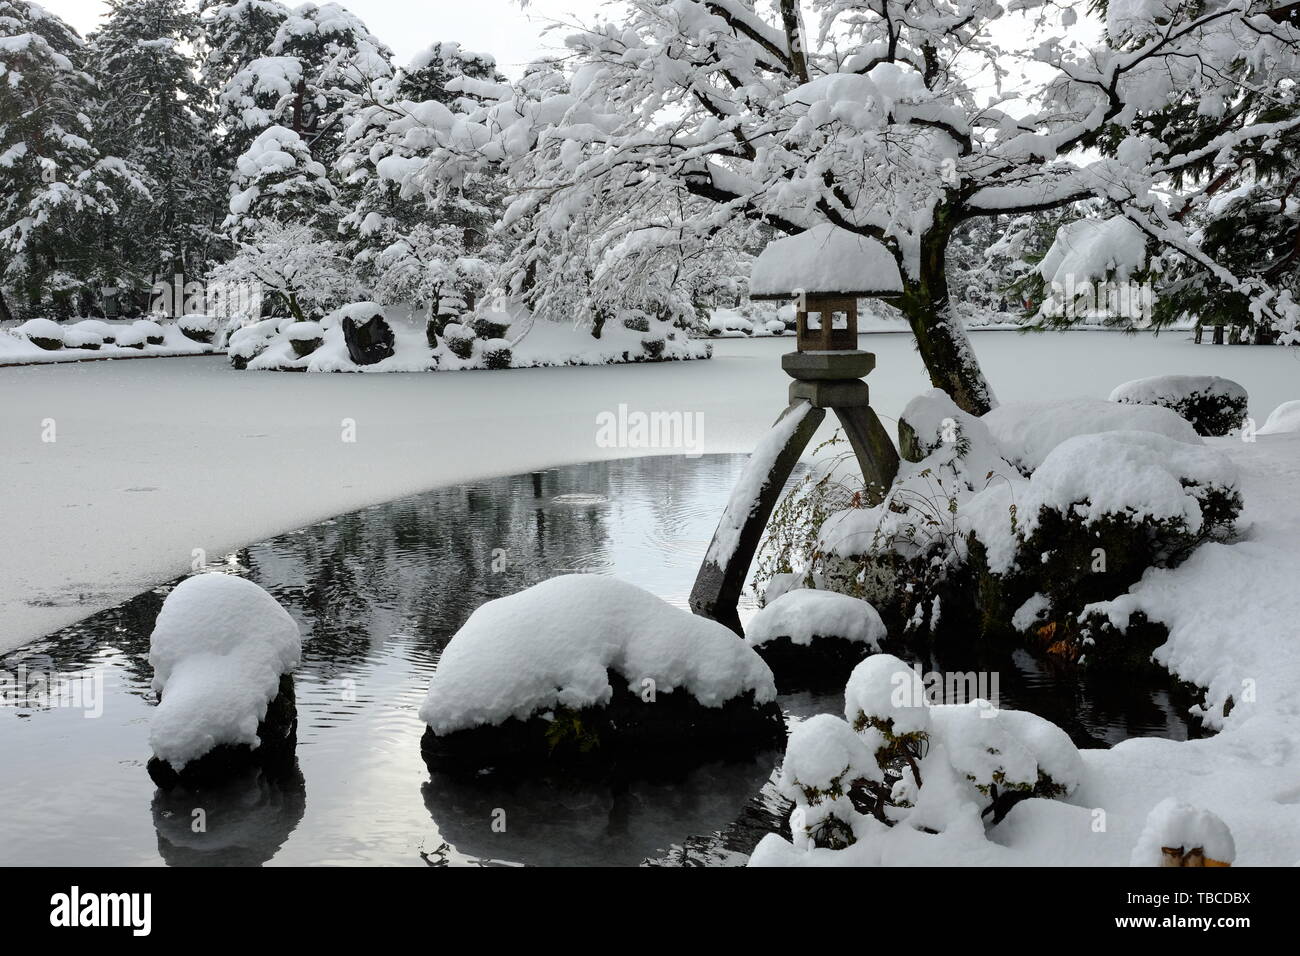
378,593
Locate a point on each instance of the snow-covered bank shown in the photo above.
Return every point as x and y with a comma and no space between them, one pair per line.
96,339
153,460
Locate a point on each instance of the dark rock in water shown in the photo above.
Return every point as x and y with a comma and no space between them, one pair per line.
672,730
241,821
278,733
370,341
824,664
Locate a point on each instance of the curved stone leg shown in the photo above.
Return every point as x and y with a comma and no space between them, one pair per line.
873,447
726,565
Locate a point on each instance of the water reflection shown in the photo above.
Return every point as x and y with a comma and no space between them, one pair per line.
242,822
378,593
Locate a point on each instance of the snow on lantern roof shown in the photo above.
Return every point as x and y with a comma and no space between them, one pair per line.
824,260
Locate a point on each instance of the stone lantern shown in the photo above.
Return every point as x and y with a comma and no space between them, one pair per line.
824,272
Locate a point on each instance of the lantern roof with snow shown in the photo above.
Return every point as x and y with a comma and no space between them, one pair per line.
825,260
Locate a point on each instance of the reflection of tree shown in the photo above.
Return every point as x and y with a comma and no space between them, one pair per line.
243,822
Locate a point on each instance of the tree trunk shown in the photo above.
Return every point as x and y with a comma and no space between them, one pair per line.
5,314
940,337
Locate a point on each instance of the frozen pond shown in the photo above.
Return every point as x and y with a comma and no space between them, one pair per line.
378,593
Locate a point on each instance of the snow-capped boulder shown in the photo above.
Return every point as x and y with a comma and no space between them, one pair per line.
223,651
366,332
1026,432
43,333
305,337
249,341
1284,418
809,636
1178,834
1214,405
587,667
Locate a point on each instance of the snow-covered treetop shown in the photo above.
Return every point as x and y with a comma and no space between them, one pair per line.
826,258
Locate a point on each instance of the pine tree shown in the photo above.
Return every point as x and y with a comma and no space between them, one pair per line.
156,115
56,189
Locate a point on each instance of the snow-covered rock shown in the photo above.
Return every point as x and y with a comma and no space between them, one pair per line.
219,649
1214,405
201,328
107,333
804,614
577,651
78,338
43,333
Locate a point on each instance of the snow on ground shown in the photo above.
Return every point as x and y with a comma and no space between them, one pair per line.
153,460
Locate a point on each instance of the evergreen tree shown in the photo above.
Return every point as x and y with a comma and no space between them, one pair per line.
156,115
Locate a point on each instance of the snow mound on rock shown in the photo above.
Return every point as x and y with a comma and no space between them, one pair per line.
553,644
1163,389
1028,431
804,613
218,650
884,688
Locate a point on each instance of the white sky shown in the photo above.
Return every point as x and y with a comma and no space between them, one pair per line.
500,27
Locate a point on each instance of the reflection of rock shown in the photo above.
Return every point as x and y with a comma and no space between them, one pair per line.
569,821
244,820
673,730
277,731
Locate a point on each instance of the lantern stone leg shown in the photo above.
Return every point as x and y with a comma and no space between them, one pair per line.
722,574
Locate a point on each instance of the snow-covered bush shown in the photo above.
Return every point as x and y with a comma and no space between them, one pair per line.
899,760
78,338
496,354
153,333
809,636
587,666
1214,406
1028,431
1178,834
129,337
43,333
107,333
199,327
459,339
249,341
222,651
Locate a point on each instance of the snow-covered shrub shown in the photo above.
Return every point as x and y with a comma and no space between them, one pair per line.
825,761
222,651
653,347
131,337
809,636
1214,406
496,354
1026,432
153,333
488,328
903,554
637,323
583,666
459,339
107,333
43,333
77,338
305,337
1284,418
198,327
897,760
1178,834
